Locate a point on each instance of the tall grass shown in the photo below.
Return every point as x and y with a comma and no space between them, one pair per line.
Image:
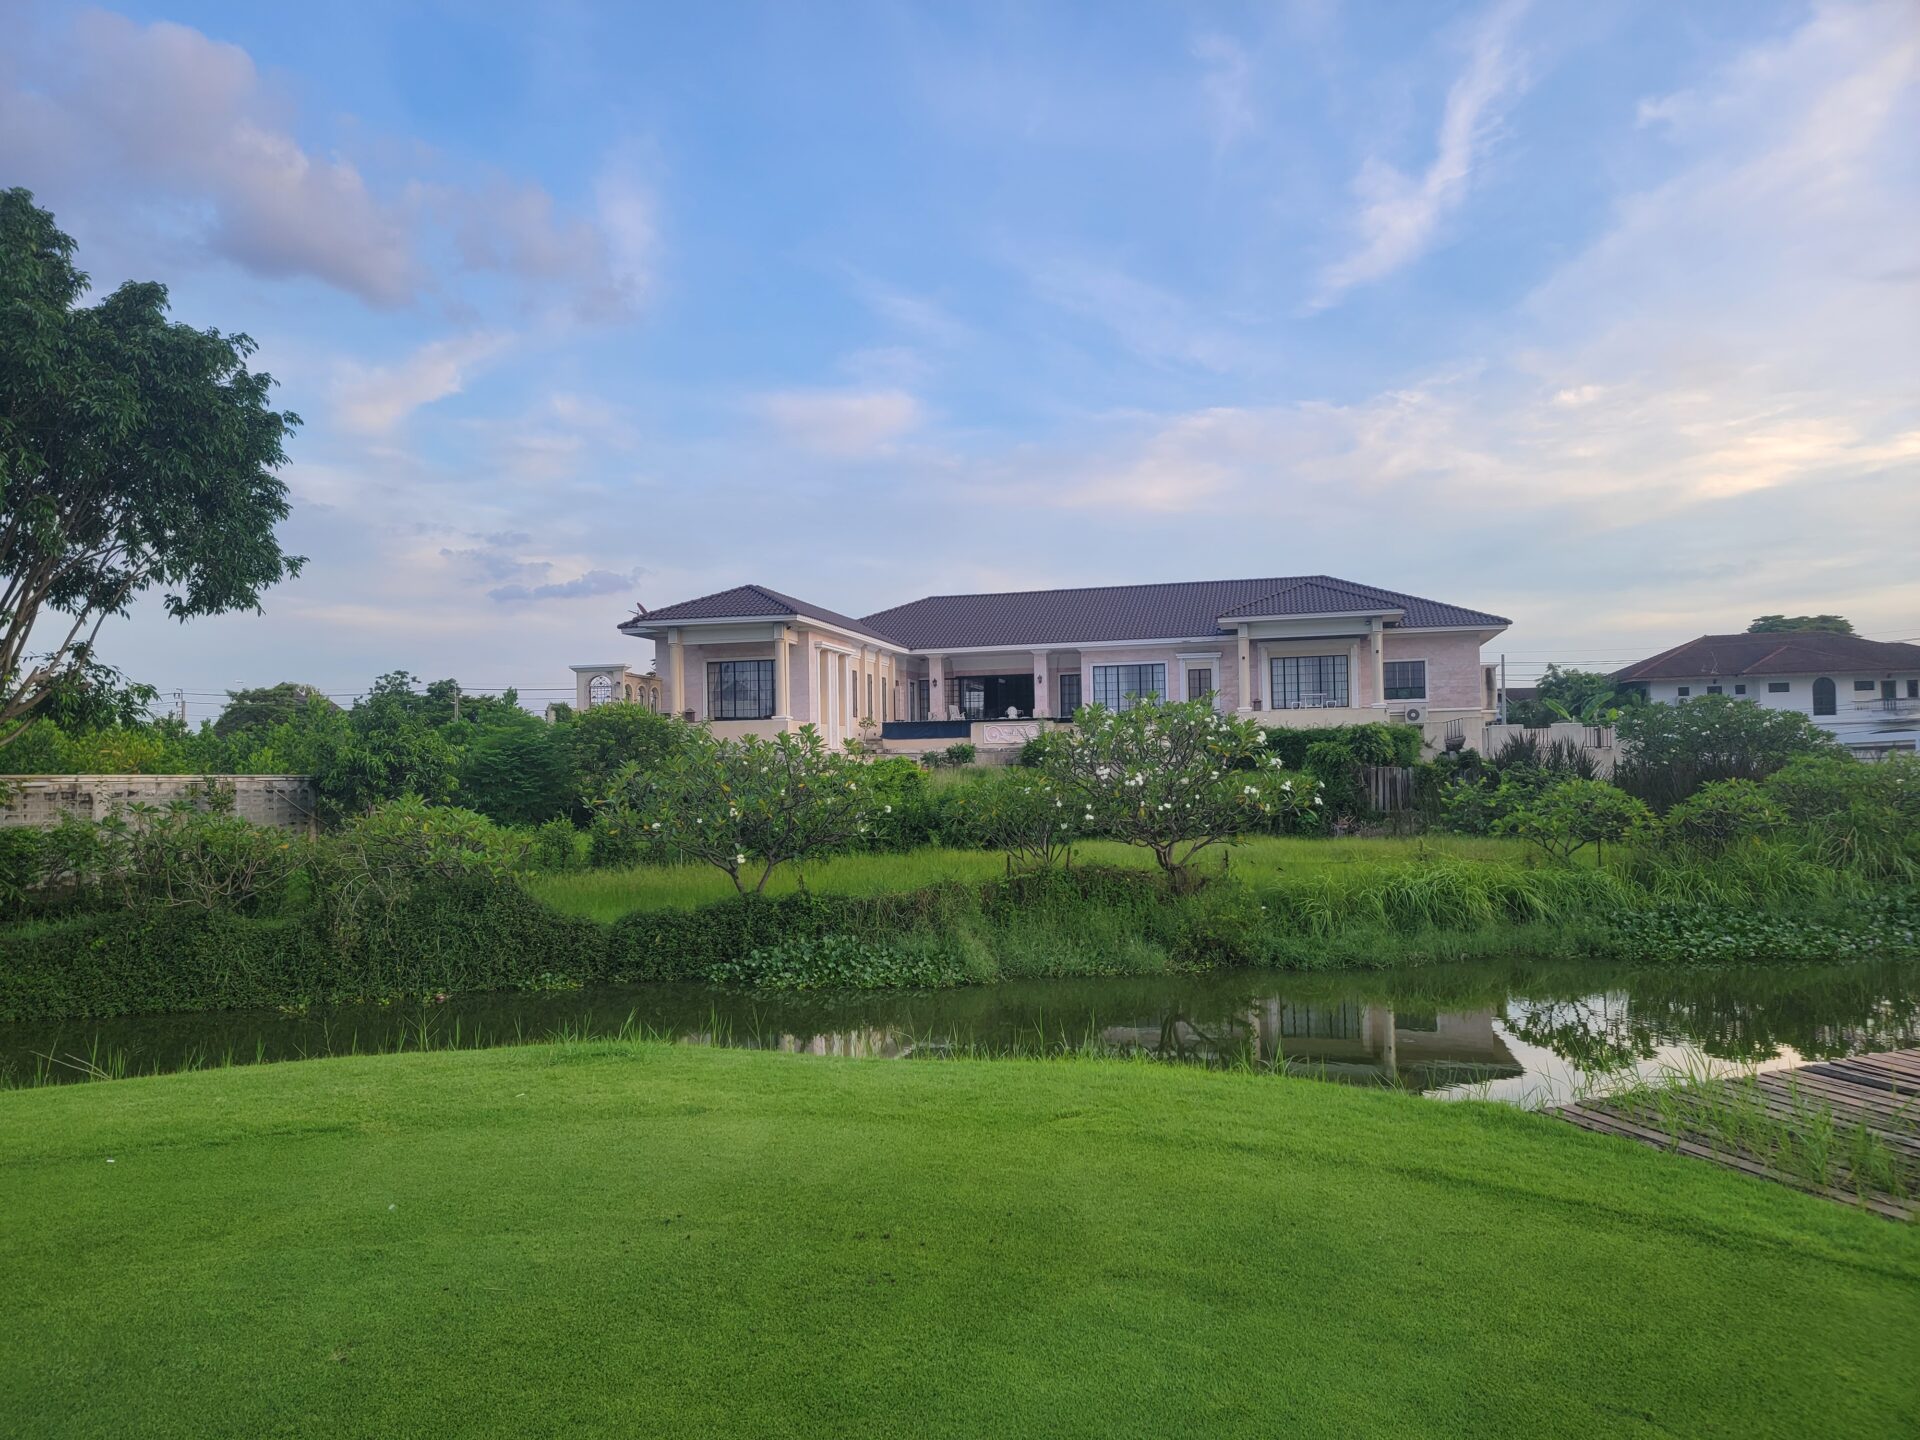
610,894
1800,1136
1444,894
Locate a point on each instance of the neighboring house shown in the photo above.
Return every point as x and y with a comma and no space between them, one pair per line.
994,669
1867,692
599,684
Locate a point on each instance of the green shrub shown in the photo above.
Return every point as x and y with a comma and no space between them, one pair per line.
22,860
1334,764
1370,744
1708,934
517,773
1670,751
1720,815
602,738
556,847
841,962
1858,817
1569,815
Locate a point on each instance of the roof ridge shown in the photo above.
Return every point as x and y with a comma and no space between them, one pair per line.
1287,582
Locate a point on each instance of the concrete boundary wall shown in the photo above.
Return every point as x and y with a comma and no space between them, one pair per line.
1596,740
284,802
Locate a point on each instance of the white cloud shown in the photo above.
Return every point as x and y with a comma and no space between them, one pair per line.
170,110
1152,322
1400,214
593,582
375,400
842,423
1226,83
1711,412
629,225
160,125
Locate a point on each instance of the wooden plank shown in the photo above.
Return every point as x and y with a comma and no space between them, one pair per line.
1872,1093
1606,1123
1842,1092
1867,1079
1777,1101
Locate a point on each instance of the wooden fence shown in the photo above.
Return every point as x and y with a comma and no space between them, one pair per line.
1389,787
285,802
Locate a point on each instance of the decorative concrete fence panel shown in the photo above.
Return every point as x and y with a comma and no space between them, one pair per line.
1596,740
284,802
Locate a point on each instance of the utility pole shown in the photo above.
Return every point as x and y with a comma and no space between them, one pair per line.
1503,687
180,699
456,702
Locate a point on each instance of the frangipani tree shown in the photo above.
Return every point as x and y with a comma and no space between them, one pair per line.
1175,779
745,806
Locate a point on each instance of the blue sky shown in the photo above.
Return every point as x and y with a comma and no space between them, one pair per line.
1604,317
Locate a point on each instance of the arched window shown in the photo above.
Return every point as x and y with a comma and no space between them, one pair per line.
1824,701
599,690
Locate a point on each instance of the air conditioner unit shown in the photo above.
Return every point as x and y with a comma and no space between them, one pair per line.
1414,714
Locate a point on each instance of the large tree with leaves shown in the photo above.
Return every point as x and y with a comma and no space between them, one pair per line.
134,452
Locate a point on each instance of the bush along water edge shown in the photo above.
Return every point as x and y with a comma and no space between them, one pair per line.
483,931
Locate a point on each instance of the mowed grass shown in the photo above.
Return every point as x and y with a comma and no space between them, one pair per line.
619,1239
607,895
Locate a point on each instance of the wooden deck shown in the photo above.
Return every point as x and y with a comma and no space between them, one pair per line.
1877,1093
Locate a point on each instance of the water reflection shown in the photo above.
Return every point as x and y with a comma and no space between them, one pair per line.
1514,1031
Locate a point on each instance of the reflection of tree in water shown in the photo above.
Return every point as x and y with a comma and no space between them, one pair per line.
1739,1014
1589,1032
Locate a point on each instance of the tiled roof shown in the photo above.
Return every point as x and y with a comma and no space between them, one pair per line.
1805,652
749,602
1146,612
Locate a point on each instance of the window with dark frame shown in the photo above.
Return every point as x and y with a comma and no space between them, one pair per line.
1066,689
1867,685
1913,689
1825,700
1715,690
1121,687
1684,691
1779,687
740,689
1199,682
1308,682
1739,689
1405,679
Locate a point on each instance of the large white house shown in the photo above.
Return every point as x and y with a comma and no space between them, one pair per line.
995,669
1866,692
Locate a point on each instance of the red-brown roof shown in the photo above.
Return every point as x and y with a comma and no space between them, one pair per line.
1800,652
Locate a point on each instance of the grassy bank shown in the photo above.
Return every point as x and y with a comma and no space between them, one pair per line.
609,895
940,918
615,1239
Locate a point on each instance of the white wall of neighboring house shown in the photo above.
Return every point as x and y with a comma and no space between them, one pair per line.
1862,718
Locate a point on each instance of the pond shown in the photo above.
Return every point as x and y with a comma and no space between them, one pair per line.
1529,1033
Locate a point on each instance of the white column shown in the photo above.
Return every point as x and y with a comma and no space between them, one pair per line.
1377,661
936,687
782,679
676,673
1244,647
1042,695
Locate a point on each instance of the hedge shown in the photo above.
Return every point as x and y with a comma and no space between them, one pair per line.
482,934
1369,744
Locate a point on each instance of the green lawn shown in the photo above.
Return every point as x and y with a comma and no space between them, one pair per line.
640,1240
609,894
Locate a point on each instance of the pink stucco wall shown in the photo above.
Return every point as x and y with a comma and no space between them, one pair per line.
1453,669
1453,665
